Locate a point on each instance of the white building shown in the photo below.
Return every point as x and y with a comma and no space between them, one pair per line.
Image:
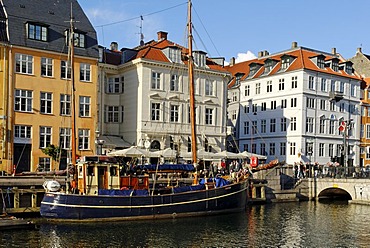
144,95
292,104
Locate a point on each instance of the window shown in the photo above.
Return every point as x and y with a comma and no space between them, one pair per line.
209,116
263,106
83,139
254,127
254,148
65,138
78,39
246,109
349,69
311,82
322,104
115,85
85,103
21,131
258,88
293,102
174,84
285,63
174,115
292,148
65,104
254,107
23,63
362,131
85,72
341,87
273,104
335,65
112,114
332,106
44,164
367,131
46,67
341,107
283,103
45,136
310,103
246,147
272,125
321,149
309,125
281,84
272,148
293,123
209,88
263,126
331,150
246,127
155,109
320,62
263,149
46,100
294,82
331,127
353,90
23,100
283,124
37,32
247,90
323,84
156,81
322,126
233,114
339,149
282,149
175,55
65,70
234,97
332,85
269,86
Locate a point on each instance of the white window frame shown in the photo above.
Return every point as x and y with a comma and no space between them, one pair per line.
46,67
156,81
46,103
45,136
65,69
65,105
85,106
22,131
85,72
65,134
23,100
83,139
24,64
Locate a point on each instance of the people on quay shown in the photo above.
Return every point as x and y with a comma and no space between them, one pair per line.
296,170
302,170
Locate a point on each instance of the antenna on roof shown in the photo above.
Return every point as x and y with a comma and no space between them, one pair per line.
141,31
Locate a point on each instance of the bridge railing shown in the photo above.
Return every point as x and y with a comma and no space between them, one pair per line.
324,171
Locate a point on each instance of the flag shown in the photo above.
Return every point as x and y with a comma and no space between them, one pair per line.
342,126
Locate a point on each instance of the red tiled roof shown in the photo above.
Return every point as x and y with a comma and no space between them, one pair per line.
302,61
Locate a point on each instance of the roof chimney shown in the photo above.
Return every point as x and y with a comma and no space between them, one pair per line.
260,54
266,53
232,61
334,51
294,44
114,46
162,35
359,50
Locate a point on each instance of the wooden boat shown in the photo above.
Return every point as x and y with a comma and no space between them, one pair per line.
101,192
12,223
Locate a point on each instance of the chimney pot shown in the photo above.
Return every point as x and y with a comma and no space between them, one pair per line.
260,54
266,53
294,44
334,51
162,35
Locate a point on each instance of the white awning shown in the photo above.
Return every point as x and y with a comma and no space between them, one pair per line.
113,141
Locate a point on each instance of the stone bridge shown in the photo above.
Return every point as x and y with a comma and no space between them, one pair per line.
354,189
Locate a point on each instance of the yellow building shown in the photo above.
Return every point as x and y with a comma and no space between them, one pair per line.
365,125
36,86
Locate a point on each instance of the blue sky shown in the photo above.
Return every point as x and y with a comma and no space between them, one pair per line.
234,27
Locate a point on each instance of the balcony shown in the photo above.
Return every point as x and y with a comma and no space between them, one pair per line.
335,96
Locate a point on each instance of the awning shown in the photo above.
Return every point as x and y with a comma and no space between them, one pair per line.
113,141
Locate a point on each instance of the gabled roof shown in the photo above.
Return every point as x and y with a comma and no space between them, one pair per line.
302,60
52,13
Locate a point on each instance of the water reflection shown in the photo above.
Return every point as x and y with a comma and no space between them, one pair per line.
307,224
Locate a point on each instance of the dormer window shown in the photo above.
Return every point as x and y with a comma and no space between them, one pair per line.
200,58
173,54
286,60
253,68
348,67
238,77
79,39
321,62
36,31
269,65
334,65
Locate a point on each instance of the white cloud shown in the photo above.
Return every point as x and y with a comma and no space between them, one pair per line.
245,57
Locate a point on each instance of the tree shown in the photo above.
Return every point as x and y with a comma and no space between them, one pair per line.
54,152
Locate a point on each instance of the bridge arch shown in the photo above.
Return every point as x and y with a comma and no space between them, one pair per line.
334,193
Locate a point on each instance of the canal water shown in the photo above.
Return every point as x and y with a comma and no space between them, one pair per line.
303,224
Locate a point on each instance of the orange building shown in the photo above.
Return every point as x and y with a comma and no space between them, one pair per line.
35,84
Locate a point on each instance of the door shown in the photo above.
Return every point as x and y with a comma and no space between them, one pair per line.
22,157
102,177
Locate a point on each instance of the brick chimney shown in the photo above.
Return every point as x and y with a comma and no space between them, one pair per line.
162,35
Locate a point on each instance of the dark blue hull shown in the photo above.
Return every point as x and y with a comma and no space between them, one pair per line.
230,198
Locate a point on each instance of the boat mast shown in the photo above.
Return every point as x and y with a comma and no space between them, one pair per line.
191,87
73,100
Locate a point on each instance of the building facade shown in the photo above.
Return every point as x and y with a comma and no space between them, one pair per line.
145,97
36,84
292,103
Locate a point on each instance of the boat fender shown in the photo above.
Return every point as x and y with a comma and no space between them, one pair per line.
123,188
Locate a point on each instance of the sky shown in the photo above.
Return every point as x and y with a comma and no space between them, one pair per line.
236,28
